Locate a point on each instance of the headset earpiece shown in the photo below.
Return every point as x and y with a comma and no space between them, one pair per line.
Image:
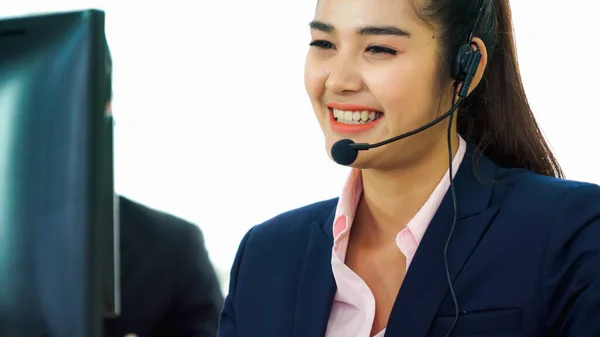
462,59
464,68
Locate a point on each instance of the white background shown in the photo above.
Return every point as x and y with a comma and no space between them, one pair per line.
214,126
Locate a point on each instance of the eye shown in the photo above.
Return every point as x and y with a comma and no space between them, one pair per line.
321,44
381,50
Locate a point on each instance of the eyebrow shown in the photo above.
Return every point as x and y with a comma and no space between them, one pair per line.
363,30
321,26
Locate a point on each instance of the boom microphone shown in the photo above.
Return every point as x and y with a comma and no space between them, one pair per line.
345,151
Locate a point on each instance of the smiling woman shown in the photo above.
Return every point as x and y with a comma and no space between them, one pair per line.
464,228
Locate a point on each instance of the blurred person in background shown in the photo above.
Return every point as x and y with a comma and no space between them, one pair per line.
169,287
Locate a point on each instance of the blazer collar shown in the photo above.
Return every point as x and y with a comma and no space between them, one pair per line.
425,288
316,286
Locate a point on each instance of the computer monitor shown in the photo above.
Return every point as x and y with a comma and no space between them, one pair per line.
58,257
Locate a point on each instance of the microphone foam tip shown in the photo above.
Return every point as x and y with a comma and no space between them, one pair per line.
342,153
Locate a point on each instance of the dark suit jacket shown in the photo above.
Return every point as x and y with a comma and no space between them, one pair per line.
168,285
525,260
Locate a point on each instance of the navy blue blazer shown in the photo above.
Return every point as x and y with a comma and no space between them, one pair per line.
525,260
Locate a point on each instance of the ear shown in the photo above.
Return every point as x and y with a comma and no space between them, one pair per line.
478,43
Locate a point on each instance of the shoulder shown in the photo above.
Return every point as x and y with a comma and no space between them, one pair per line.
160,243
286,235
524,189
296,223
548,210
151,224
298,220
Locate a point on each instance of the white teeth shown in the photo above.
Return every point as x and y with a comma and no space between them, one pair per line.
364,116
355,117
348,116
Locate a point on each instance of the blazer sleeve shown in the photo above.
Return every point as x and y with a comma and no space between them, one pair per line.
227,321
198,298
571,271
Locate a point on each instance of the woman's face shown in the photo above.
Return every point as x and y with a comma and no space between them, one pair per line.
371,74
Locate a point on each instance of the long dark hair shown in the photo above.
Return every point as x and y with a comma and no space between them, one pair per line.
496,116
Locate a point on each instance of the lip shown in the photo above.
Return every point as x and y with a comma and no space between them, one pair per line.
350,128
349,107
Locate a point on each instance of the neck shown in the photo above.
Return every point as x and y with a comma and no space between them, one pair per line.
391,198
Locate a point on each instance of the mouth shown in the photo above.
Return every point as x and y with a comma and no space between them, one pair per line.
354,117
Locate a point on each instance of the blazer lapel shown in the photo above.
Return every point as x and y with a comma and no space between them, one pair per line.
316,287
426,284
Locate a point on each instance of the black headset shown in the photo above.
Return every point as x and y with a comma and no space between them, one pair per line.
465,53
464,68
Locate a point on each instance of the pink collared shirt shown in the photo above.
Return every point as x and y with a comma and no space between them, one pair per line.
353,310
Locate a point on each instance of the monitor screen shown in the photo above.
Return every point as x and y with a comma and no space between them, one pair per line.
58,257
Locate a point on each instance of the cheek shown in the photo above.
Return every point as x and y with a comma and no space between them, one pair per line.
315,77
405,93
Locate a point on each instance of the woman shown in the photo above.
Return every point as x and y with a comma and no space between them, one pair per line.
520,255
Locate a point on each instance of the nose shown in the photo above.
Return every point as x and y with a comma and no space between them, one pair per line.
344,76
